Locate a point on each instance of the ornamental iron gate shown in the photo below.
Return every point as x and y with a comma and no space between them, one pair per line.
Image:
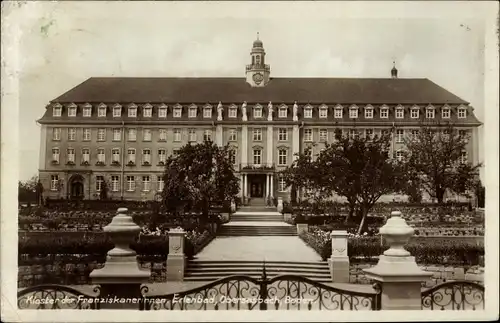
454,295
284,292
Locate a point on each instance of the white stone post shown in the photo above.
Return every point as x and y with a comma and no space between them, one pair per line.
121,275
397,271
176,260
339,260
233,206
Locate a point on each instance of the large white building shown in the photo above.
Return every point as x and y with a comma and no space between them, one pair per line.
120,129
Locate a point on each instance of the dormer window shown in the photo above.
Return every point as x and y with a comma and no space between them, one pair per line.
57,110
446,113
429,113
384,112
415,113
368,112
72,110
192,112
117,111
282,112
207,112
162,111
87,110
101,110
308,112
338,112
177,111
233,112
400,112
462,113
323,112
132,111
147,111
353,112
257,112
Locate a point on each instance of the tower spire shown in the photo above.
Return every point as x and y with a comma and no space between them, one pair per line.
257,35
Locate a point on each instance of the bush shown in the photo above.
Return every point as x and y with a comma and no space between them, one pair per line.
367,249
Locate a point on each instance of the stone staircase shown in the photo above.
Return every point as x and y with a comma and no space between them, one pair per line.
210,270
261,230
259,216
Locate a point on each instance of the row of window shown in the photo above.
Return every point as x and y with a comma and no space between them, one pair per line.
147,111
114,184
146,156
207,135
131,183
115,155
147,134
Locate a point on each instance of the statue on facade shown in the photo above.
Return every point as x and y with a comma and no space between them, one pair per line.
244,110
270,112
219,112
295,110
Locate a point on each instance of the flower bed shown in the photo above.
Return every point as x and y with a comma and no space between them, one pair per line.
367,249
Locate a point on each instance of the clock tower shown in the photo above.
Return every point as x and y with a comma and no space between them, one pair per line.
257,73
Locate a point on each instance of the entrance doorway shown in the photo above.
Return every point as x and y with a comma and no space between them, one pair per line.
257,185
76,187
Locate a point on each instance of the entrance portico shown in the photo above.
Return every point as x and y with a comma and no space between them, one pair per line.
257,183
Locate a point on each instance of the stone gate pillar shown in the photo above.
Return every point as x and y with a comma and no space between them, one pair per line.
397,272
339,260
176,260
121,276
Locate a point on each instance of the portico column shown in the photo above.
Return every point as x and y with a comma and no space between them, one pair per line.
271,184
267,185
241,184
245,185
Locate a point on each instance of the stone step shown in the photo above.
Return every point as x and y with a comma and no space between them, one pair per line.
261,262
213,278
253,213
243,270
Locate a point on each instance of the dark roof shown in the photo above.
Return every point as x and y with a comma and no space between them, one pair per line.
278,90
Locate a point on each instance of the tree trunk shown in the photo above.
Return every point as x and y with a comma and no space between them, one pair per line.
352,208
440,195
362,224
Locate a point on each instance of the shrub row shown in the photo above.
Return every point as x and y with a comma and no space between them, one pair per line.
147,246
367,249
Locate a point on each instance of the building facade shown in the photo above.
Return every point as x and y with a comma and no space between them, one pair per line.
121,130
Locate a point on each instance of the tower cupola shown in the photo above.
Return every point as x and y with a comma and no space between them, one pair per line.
257,73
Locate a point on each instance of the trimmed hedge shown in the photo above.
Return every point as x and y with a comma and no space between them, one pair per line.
446,252
101,244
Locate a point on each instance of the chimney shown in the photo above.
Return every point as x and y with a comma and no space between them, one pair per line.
394,71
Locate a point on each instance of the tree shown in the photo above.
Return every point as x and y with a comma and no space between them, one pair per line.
434,161
357,168
28,191
361,169
198,177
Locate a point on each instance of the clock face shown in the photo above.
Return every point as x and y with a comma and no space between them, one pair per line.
258,77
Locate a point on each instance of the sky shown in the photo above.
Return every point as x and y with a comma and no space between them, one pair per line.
63,44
